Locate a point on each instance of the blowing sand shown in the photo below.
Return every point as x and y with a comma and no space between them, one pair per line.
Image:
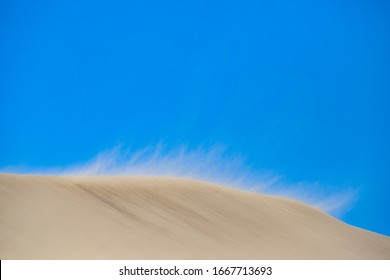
50,217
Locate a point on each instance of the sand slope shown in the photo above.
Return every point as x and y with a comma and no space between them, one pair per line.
48,217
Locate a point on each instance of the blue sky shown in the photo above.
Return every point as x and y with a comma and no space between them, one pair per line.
298,89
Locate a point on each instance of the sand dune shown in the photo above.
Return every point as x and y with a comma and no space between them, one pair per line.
49,217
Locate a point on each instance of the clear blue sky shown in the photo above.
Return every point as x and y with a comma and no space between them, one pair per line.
301,88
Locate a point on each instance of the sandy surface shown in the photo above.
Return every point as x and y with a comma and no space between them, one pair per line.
48,217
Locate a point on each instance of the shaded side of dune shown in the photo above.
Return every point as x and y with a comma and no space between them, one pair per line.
48,217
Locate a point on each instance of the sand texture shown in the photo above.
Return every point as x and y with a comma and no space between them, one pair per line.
52,217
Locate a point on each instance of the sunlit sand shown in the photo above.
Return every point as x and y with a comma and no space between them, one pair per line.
52,217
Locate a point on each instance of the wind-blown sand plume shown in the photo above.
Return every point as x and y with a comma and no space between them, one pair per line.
49,217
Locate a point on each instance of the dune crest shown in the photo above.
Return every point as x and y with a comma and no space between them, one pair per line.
50,217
